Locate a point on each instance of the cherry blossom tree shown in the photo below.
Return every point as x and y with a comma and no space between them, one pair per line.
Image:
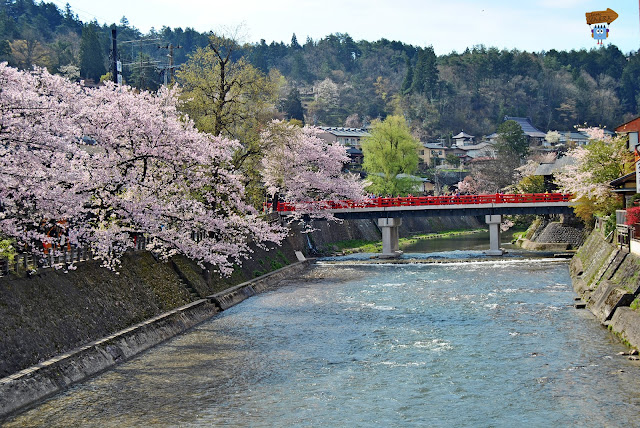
597,164
145,171
41,166
467,185
300,168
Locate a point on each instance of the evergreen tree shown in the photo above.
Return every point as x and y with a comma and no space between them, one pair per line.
292,106
259,56
630,84
294,42
408,79
91,56
511,140
425,73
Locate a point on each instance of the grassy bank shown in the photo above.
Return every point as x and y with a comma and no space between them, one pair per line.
362,246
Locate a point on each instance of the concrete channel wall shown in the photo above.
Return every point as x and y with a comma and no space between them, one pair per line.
29,386
607,279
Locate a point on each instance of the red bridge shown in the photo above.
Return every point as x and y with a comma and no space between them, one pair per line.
543,199
389,211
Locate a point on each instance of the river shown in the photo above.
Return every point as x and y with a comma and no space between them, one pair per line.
352,344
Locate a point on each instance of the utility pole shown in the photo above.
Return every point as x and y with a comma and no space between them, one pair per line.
140,62
116,66
171,68
114,56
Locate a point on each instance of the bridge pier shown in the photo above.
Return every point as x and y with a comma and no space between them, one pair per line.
390,242
494,235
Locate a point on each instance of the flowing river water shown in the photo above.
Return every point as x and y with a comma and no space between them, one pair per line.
352,344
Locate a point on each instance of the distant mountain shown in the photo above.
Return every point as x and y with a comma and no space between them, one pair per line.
343,82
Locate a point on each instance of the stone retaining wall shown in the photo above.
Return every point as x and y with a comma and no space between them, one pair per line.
27,387
554,236
607,280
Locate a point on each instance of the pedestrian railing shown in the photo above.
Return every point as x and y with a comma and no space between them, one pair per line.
412,201
60,258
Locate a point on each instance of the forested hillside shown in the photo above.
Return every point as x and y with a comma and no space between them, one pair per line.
342,81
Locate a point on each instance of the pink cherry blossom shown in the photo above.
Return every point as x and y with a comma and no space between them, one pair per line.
99,166
302,169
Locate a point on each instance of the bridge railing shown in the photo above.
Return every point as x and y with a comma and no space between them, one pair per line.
412,201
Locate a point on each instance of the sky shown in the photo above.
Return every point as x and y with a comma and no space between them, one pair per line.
449,25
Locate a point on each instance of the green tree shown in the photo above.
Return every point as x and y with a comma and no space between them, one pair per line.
425,73
453,160
292,106
91,56
294,42
390,154
225,96
531,184
408,78
511,140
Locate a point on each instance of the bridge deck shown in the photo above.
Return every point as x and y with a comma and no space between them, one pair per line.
428,206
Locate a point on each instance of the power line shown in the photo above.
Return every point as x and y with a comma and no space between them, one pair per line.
86,14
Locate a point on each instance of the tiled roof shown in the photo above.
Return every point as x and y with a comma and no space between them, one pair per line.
462,135
624,179
345,132
526,126
551,168
476,146
436,146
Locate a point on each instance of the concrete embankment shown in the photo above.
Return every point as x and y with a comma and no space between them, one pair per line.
607,279
35,383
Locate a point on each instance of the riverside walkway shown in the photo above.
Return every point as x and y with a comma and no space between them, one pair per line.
389,211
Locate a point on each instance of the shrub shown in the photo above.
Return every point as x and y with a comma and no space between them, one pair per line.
633,216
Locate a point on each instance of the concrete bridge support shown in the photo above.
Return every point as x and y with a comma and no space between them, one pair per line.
494,235
390,242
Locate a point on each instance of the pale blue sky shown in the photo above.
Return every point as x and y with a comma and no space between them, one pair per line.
531,25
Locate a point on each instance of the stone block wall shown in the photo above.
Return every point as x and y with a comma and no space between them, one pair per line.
608,280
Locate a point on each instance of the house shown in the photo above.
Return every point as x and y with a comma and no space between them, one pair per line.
632,129
356,157
491,138
422,186
534,135
433,154
460,152
350,137
484,149
571,138
547,171
625,185
628,185
462,139
576,138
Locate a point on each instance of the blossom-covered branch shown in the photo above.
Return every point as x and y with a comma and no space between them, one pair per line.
302,168
146,171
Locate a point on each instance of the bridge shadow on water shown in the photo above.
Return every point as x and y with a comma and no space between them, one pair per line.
456,248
